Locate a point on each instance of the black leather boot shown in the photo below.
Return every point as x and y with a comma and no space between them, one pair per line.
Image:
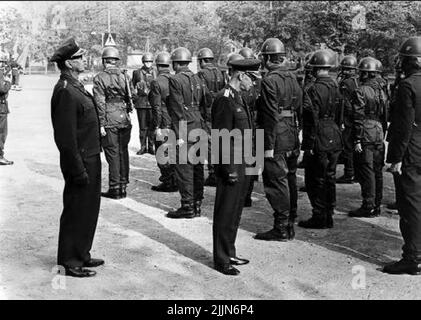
291,231
315,222
211,180
329,219
247,203
364,212
345,179
279,233
186,211
112,193
197,209
164,187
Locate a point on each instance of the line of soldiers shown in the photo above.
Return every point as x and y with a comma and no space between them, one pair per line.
262,94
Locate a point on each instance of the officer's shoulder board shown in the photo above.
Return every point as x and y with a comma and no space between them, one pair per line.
228,93
65,84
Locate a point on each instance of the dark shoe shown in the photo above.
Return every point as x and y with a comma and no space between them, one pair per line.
301,165
403,266
364,212
79,272
247,203
329,220
114,193
197,208
5,162
314,223
275,234
164,187
141,151
210,181
238,261
227,269
92,263
151,151
345,179
123,191
185,211
392,206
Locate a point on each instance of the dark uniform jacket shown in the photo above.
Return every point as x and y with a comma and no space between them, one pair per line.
280,107
158,99
322,114
405,133
188,100
214,80
142,79
75,123
347,86
112,99
369,104
4,93
251,97
229,111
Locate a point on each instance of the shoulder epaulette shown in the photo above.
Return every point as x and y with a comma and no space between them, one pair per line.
227,92
64,83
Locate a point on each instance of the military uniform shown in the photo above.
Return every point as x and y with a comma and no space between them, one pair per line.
76,133
188,101
158,99
404,146
370,123
229,111
142,79
347,86
279,108
4,110
215,81
110,92
322,116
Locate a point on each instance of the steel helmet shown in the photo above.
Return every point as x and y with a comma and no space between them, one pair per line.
349,62
247,53
368,64
181,54
273,46
147,57
411,47
379,65
234,57
111,53
205,53
163,58
322,59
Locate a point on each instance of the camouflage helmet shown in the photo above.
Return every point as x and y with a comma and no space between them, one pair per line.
322,59
368,64
247,53
233,57
147,57
411,47
163,58
205,53
273,46
349,62
181,54
110,53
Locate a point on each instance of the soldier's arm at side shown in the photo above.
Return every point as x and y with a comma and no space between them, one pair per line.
402,124
309,122
176,105
64,118
155,102
358,115
269,112
99,96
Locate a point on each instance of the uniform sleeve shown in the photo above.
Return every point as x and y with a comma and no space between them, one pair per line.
358,114
156,103
269,112
340,105
299,104
223,118
175,105
99,96
402,124
310,120
205,102
4,85
64,118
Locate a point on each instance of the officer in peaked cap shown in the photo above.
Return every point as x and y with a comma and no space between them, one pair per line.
229,111
76,134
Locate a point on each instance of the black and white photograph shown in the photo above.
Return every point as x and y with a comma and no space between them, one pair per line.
210,154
